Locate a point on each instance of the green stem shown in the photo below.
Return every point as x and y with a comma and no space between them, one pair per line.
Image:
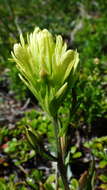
60,163
57,149
56,185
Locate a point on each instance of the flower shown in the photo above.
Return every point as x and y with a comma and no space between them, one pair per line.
46,67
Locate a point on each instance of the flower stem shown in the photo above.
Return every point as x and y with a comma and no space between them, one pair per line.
60,162
56,182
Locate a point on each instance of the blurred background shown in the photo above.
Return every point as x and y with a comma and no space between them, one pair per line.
83,25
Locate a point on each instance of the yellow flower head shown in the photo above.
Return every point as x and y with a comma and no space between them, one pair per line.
46,67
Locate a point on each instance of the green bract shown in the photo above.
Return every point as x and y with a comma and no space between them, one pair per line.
46,67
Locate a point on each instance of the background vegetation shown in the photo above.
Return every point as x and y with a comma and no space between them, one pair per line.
83,25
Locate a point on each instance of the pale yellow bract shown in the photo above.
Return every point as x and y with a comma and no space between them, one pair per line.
46,67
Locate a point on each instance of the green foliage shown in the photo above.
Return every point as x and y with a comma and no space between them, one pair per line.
72,154
103,178
74,184
98,147
88,101
91,42
95,45
17,86
5,185
41,123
